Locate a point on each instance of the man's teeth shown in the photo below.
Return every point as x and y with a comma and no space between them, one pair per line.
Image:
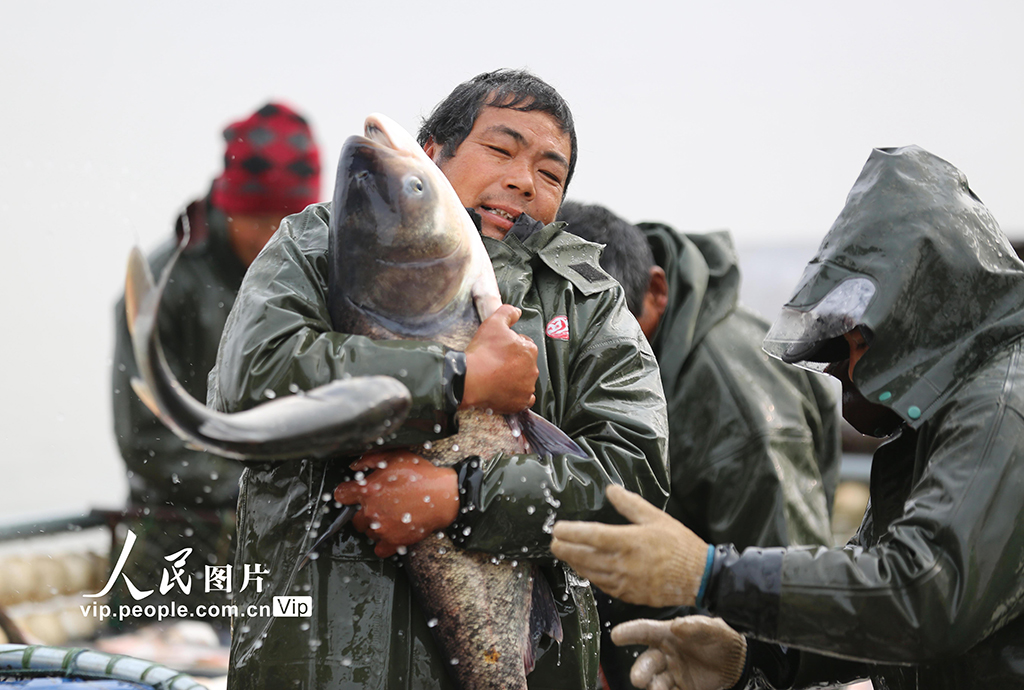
499,212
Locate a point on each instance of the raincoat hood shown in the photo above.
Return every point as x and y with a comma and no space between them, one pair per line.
916,258
703,289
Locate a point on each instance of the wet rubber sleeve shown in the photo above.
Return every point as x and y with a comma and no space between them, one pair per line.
279,338
932,585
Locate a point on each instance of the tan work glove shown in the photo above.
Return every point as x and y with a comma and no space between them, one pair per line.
688,653
656,561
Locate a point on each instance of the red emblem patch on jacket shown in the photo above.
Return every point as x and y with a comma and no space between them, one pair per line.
558,328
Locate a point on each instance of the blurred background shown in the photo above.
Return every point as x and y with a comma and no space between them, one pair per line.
750,116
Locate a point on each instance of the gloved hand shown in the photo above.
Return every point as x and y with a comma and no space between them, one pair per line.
501,366
688,653
656,561
403,499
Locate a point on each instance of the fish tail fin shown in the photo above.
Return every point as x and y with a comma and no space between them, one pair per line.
544,619
137,284
543,437
145,395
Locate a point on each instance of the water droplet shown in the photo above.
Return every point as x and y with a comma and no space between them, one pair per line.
214,476
375,525
346,661
293,388
517,433
175,479
313,556
314,643
437,428
401,550
189,531
402,373
530,510
427,445
406,518
466,531
426,499
257,644
455,662
207,489
325,496
432,622
304,626
455,447
269,394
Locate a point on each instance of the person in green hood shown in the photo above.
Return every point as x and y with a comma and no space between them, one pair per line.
564,344
753,443
180,497
915,301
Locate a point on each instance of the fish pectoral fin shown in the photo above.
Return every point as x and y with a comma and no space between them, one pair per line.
544,619
544,437
145,395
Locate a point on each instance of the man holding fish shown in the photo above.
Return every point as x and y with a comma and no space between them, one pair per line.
563,344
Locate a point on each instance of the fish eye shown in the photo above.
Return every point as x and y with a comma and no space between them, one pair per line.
414,186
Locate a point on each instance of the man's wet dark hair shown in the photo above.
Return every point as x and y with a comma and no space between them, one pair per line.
627,256
453,118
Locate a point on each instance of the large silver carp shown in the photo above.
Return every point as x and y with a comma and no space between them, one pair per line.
407,262
340,417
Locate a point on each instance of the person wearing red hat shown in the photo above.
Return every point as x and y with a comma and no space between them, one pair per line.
181,498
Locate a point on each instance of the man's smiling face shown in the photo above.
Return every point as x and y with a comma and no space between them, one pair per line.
512,162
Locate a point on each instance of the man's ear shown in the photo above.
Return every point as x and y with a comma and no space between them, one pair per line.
655,301
431,148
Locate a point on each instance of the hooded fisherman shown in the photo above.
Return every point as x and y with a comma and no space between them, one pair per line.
753,442
506,142
915,301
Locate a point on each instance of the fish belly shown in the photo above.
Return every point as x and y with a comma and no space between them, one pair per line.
477,604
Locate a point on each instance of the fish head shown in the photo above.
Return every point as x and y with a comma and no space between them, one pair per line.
403,250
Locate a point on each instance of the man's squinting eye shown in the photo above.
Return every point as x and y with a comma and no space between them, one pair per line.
499,150
551,176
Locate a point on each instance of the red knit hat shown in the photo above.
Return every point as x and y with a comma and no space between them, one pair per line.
271,164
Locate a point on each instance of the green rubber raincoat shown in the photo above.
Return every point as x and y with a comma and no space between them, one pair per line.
178,497
598,382
928,594
753,443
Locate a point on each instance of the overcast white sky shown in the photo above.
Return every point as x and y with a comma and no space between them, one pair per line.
753,116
